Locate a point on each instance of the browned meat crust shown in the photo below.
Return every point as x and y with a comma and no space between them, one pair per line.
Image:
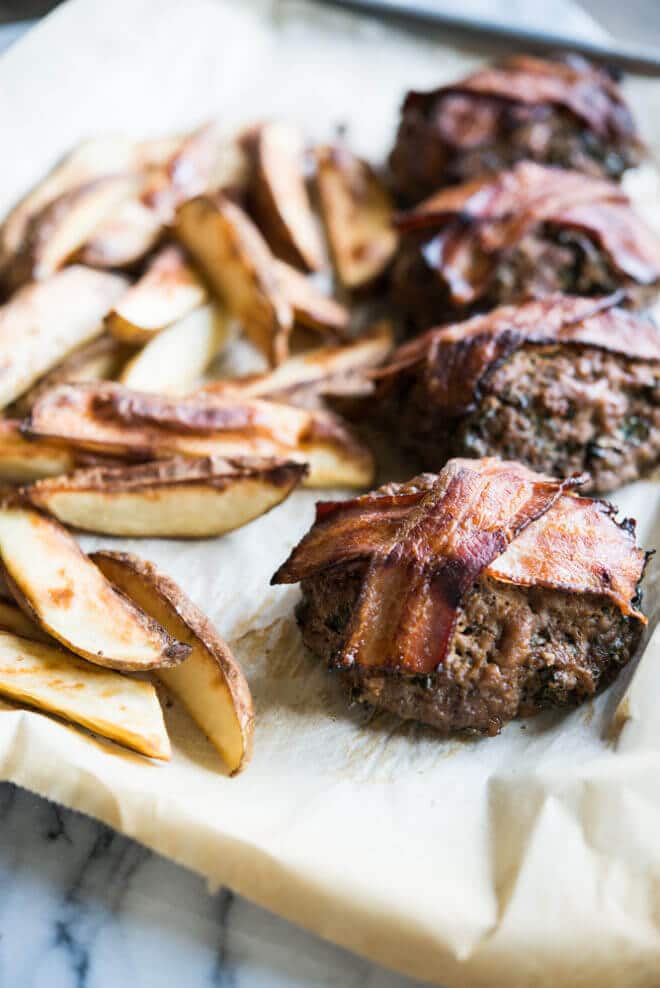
471,597
560,405
523,108
515,651
521,234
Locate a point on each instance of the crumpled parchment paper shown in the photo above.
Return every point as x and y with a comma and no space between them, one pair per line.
528,859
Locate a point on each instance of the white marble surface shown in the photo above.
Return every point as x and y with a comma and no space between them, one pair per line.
82,907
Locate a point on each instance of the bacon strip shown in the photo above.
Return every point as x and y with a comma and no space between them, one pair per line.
576,546
345,531
455,359
477,221
424,548
587,93
406,612
632,247
506,204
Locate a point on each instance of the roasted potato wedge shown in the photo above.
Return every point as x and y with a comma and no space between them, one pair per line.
93,159
13,620
210,683
311,307
325,370
24,460
240,269
356,210
178,498
167,291
174,361
111,419
49,678
201,160
59,230
189,171
125,238
57,586
44,322
278,196
99,360
5,593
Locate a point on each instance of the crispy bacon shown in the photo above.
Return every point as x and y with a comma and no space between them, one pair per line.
589,94
455,358
505,204
424,548
467,227
576,546
345,531
633,247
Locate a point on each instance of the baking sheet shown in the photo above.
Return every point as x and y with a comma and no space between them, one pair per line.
527,859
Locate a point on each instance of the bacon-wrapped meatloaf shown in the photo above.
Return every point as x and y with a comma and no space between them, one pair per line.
465,599
521,234
522,108
563,384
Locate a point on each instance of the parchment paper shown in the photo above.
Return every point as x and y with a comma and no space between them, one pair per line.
528,859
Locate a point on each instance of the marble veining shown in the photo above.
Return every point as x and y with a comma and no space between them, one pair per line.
84,907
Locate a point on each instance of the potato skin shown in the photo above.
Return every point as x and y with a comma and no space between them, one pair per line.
159,594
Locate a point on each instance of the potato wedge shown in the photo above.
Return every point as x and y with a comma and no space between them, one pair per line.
110,419
59,230
166,292
325,370
44,322
13,619
189,171
24,460
92,159
57,586
356,210
178,498
210,683
201,160
278,196
240,269
98,360
174,361
311,307
125,238
51,679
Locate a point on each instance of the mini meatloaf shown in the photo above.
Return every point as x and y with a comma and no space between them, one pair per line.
469,598
564,385
518,235
570,114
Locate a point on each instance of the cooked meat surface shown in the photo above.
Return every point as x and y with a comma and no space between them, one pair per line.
555,384
515,651
519,235
470,597
545,261
560,410
523,109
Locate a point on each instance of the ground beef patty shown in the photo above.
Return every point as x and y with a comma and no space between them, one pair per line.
544,262
521,234
523,108
468,598
561,407
515,651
